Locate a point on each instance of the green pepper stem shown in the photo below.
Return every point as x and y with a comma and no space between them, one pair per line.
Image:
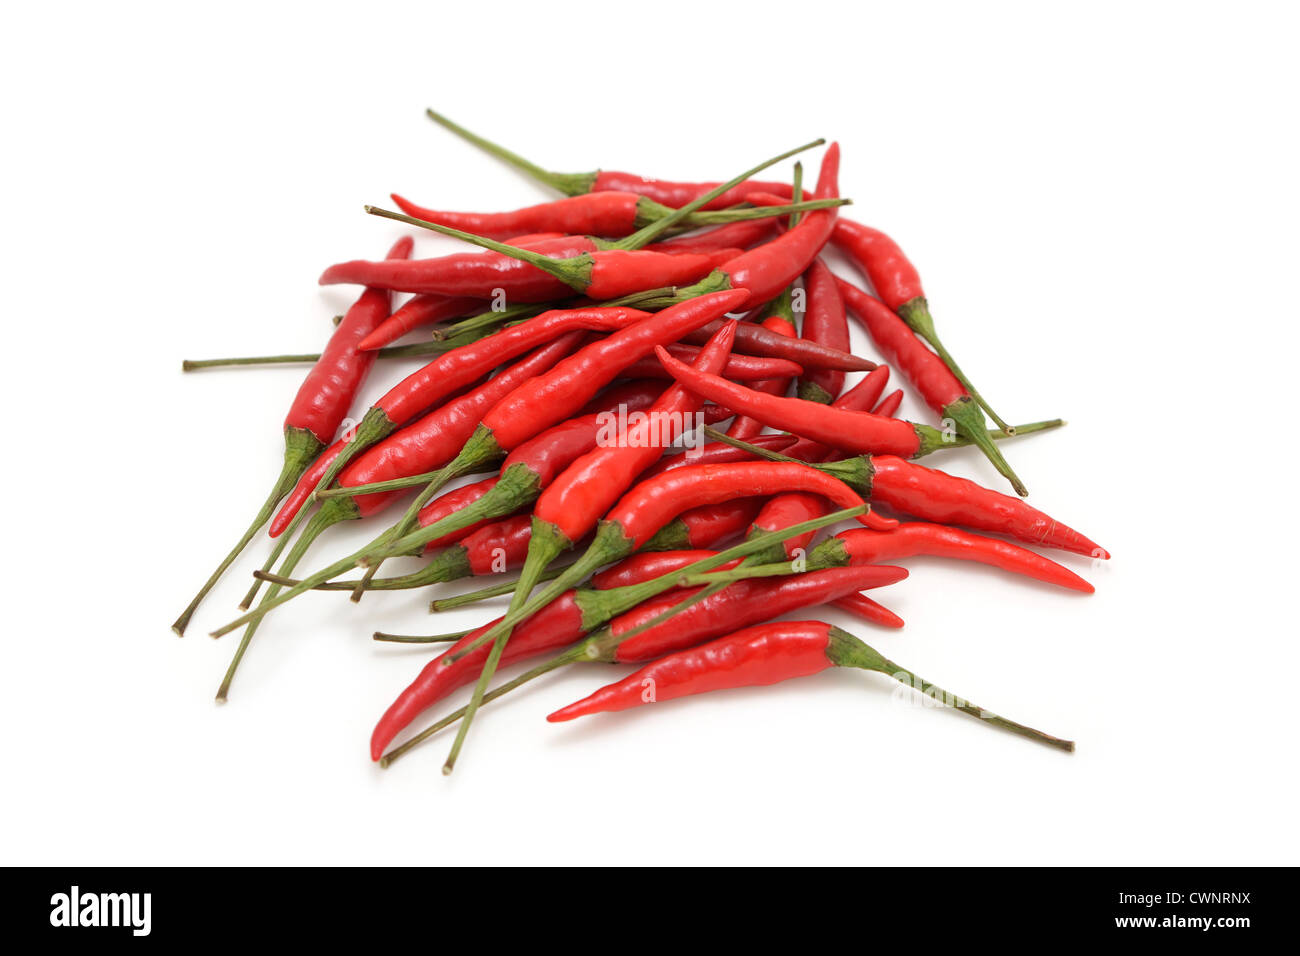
419,638
846,650
416,350
916,314
648,233
571,184
483,594
301,446
320,521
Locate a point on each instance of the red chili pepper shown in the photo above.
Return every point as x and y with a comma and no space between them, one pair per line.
541,401
755,339
824,321
939,388
742,368
577,612
898,283
868,610
768,654
716,453
705,526
591,214
920,538
574,184
737,235
837,427
946,499
890,404
432,309
860,397
745,427
317,411
932,495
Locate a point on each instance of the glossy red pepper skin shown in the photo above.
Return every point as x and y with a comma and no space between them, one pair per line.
754,339
645,565
860,397
861,606
785,510
900,346
890,404
553,397
893,277
550,629
652,504
677,194
745,427
755,656
590,485
498,545
717,453
606,213
738,605
824,321
426,309
619,272
935,496
765,271
706,525
734,235
839,428
432,441
452,370
451,502
914,538
741,368
326,393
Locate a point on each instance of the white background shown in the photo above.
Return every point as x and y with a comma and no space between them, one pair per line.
1102,199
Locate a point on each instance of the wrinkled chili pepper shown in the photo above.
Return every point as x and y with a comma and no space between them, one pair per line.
768,654
318,409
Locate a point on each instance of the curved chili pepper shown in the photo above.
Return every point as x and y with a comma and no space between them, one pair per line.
914,538
837,427
744,426
860,397
741,368
574,184
946,499
898,283
317,411
755,339
769,654
865,608
933,495
824,321
939,388
890,404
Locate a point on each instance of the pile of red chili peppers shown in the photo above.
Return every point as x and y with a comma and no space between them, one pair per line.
653,376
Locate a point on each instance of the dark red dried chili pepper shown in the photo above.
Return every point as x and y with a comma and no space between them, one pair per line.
317,411
939,388
575,184
824,321
769,654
